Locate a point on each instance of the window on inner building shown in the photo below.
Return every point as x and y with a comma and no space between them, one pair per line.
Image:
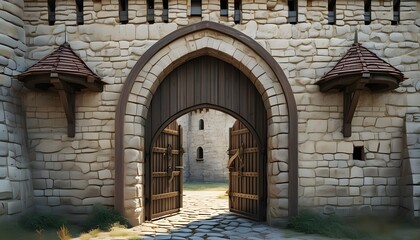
395,12
123,11
165,13
293,11
223,7
51,12
368,12
358,153
237,12
150,11
201,124
79,12
331,12
200,154
195,7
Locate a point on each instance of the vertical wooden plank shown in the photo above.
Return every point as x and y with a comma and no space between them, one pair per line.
181,164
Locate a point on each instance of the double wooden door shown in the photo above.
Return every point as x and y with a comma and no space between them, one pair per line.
246,173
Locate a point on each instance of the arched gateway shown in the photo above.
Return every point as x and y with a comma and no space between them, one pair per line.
133,116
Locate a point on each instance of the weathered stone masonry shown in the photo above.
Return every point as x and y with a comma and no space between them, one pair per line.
68,175
16,192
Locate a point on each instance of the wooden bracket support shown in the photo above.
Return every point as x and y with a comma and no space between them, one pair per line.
67,98
351,97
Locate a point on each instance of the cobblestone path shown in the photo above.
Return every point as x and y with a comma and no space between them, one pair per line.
205,215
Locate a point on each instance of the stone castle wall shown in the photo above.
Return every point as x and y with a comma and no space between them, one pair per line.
15,177
70,174
214,139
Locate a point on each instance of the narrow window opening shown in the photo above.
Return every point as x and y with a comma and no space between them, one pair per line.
331,12
150,11
201,124
195,7
79,12
124,11
165,13
368,12
200,154
293,11
358,153
223,7
396,13
51,12
237,12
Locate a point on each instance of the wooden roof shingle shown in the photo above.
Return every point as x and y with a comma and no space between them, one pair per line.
359,62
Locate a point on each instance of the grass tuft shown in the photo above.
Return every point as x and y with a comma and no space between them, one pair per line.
91,234
103,218
205,186
330,226
41,221
63,233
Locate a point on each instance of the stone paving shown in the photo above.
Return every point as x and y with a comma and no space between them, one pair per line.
205,215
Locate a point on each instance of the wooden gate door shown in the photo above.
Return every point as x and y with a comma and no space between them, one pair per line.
166,172
246,190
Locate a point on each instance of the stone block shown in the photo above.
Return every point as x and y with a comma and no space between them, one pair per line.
319,126
340,172
78,184
354,191
325,147
4,149
345,201
105,174
379,181
5,189
325,191
384,147
307,147
396,37
368,191
14,207
345,147
322,172
280,178
370,171
53,201
396,145
4,135
49,146
389,172
309,192
342,191
306,173
373,146
278,190
356,172
328,181
107,191
131,155
356,182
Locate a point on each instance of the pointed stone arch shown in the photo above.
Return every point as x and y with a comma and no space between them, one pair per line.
236,48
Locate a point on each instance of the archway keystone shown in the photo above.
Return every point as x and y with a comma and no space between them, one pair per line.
236,48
